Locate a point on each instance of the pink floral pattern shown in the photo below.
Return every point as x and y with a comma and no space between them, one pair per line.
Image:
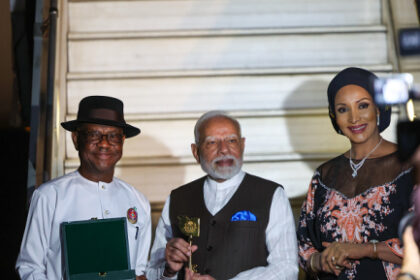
373,214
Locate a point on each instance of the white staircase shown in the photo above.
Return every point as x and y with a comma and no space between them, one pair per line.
267,62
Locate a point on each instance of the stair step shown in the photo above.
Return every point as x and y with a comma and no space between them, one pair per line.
178,95
385,67
73,36
227,53
120,16
188,116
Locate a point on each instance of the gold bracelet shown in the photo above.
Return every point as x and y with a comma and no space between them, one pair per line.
375,251
311,263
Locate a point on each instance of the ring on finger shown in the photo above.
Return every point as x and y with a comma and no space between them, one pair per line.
333,259
338,267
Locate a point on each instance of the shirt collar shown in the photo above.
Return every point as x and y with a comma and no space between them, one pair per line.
93,182
230,183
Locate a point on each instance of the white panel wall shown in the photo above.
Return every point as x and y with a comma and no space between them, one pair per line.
268,62
117,16
224,92
218,53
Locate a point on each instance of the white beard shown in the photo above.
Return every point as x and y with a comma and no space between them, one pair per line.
222,173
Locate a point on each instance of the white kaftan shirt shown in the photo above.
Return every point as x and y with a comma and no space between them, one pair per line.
280,233
75,198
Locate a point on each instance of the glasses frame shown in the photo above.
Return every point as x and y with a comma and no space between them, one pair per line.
88,135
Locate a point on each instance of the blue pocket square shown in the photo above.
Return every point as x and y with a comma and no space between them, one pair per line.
243,216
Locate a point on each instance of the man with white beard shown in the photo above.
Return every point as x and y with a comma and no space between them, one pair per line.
246,224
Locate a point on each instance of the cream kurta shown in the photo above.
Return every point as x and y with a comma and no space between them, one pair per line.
280,233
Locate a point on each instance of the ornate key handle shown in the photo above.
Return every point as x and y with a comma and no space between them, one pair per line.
189,227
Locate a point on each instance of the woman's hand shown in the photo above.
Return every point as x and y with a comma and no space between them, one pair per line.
337,256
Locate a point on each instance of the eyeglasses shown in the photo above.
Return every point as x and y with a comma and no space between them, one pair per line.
211,143
94,136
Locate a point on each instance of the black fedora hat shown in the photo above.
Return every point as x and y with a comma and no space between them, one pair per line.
101,110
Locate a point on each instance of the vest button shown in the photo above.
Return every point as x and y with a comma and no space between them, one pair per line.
213,222
207,270
209,248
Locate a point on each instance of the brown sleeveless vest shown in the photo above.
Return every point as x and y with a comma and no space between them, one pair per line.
225,247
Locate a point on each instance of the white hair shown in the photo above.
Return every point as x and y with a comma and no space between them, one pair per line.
210,115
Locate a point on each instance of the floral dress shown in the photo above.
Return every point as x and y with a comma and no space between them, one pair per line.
367,207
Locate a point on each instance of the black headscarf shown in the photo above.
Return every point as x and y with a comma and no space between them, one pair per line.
359,77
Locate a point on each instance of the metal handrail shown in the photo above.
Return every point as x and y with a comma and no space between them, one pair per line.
53,14
42,108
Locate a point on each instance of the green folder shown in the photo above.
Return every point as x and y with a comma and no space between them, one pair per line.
96,249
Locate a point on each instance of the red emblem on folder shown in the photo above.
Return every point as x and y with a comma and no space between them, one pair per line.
132,215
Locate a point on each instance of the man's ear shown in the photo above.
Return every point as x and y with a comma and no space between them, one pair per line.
243,143
195,152
74,137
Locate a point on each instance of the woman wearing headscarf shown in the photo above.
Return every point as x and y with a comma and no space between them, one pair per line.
348,227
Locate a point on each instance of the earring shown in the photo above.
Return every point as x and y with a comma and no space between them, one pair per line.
340,132
377,120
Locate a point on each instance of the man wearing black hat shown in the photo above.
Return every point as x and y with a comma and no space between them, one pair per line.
92,191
